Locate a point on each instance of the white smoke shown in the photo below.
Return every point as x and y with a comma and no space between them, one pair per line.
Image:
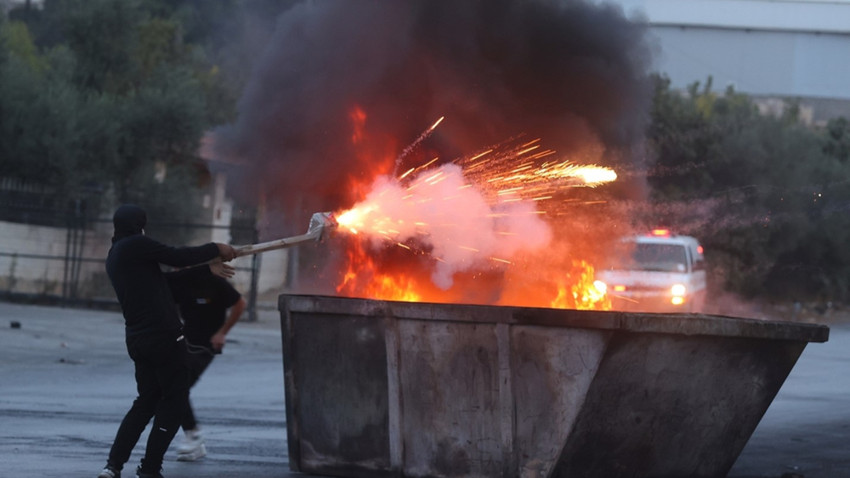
438,208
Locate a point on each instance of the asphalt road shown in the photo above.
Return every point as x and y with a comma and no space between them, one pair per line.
66,382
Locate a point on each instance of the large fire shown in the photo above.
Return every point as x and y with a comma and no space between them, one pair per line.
449,231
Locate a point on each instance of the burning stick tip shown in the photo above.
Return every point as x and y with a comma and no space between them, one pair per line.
322,224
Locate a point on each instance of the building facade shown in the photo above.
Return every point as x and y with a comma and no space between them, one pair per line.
773,50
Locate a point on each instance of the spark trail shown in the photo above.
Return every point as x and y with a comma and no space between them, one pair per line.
476,211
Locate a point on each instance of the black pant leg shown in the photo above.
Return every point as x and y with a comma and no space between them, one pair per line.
142,410
173,378
198,359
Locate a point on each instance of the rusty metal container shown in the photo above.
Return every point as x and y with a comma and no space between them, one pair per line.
379,388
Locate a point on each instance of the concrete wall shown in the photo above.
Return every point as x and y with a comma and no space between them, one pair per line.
45,274
377,388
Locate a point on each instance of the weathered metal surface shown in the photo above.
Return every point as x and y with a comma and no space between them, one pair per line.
376,388
674,406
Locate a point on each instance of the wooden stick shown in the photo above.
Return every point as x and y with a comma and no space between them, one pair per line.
277,244
319,222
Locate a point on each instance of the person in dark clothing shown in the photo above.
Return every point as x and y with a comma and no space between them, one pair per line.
210,306
153,334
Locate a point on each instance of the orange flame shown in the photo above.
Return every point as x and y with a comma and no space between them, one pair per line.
358,120
363,278
580,292
501,183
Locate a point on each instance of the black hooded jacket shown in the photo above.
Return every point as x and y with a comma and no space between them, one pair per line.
133,266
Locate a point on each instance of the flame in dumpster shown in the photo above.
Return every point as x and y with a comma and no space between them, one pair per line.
580,293
449,231
362,278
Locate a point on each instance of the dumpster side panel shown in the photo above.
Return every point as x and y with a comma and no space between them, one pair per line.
552,370
389,389
449,382
673,406
339,372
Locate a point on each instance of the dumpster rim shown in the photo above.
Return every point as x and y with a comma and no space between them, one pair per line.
634,322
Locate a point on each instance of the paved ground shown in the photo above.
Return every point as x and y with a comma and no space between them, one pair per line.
66,381
806,430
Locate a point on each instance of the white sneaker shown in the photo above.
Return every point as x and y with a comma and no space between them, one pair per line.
192,448
109,472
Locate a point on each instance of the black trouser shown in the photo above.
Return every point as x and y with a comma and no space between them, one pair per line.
197,360
162,381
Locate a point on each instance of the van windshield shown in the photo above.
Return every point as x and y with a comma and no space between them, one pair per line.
659,257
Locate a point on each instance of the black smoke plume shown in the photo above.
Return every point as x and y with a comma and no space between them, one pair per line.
569,72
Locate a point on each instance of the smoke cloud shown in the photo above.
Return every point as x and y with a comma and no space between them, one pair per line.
571,72
444,212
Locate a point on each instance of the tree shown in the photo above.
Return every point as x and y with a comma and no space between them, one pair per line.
837,140
766,195
109,95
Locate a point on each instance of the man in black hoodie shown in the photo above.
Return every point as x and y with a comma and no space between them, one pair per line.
153,335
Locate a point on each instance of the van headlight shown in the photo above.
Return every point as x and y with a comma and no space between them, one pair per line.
678,291
600,286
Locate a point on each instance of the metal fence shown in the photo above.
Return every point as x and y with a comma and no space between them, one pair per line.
71,264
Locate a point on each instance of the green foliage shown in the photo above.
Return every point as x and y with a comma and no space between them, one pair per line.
161,124
47,23
105,92
18,42
158,45
767,195
103,34
837,143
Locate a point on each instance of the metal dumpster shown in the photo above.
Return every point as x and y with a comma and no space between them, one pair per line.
379,388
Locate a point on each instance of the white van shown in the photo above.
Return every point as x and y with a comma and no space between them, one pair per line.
656,272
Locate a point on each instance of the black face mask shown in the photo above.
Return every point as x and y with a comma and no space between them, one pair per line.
128,220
